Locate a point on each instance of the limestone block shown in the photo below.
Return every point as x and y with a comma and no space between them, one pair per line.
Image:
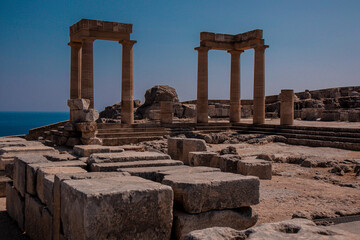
5,161
15,205
184,170
239,219
69,126
201,192
38,220
79,104
45,182
208,159
150,173
189,110
126,156
191,145
87,150
59,157
229,162
354,116
91,141
57,193
72,141
32,171
3,181
175,147
89,115
114,166
255,167
20,164
86,126
88,134
124,207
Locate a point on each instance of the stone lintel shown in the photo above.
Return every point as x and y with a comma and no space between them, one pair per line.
229,38
111,36
235,51
100,26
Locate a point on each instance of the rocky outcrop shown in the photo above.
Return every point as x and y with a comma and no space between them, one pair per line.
291,229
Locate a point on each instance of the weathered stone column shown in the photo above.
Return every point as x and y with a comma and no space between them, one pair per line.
75,84
235,100
202,85
166,112
287,107
87,75
259,85
127,91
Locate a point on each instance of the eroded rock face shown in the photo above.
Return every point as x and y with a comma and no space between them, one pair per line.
291,229
153,97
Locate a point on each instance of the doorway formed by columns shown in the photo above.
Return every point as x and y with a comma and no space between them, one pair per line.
235,45
82,36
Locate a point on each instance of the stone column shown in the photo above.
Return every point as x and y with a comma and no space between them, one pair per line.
202,85
235,100
127,91
166,112
87,75
75,84
287,107
259,85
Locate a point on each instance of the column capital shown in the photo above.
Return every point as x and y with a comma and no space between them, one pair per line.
202,49
261,47
75,44
233,51
127,42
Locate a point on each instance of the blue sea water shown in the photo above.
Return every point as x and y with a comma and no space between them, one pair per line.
16,123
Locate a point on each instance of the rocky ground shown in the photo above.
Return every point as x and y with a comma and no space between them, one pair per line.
307,182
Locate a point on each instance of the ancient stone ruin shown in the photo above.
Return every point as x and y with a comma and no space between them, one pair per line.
196,170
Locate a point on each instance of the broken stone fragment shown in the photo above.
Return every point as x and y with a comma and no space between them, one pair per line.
78,104
86,126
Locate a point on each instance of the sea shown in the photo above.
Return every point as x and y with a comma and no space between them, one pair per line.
18,123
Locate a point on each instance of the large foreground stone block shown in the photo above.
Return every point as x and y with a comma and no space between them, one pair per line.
15,205
191,145
114,166
201,192
124,207
38,220
31,171
45,182
127,156
20,165
208,159
87,150
59,178
241,218
255,167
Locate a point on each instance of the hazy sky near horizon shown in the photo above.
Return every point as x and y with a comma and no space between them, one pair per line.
313,45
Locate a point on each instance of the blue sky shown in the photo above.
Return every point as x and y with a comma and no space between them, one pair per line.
313,45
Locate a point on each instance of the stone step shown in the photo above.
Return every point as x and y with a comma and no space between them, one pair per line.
308,128
321,143
115,134
114,166
128,140
299,131
305,136
126,156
